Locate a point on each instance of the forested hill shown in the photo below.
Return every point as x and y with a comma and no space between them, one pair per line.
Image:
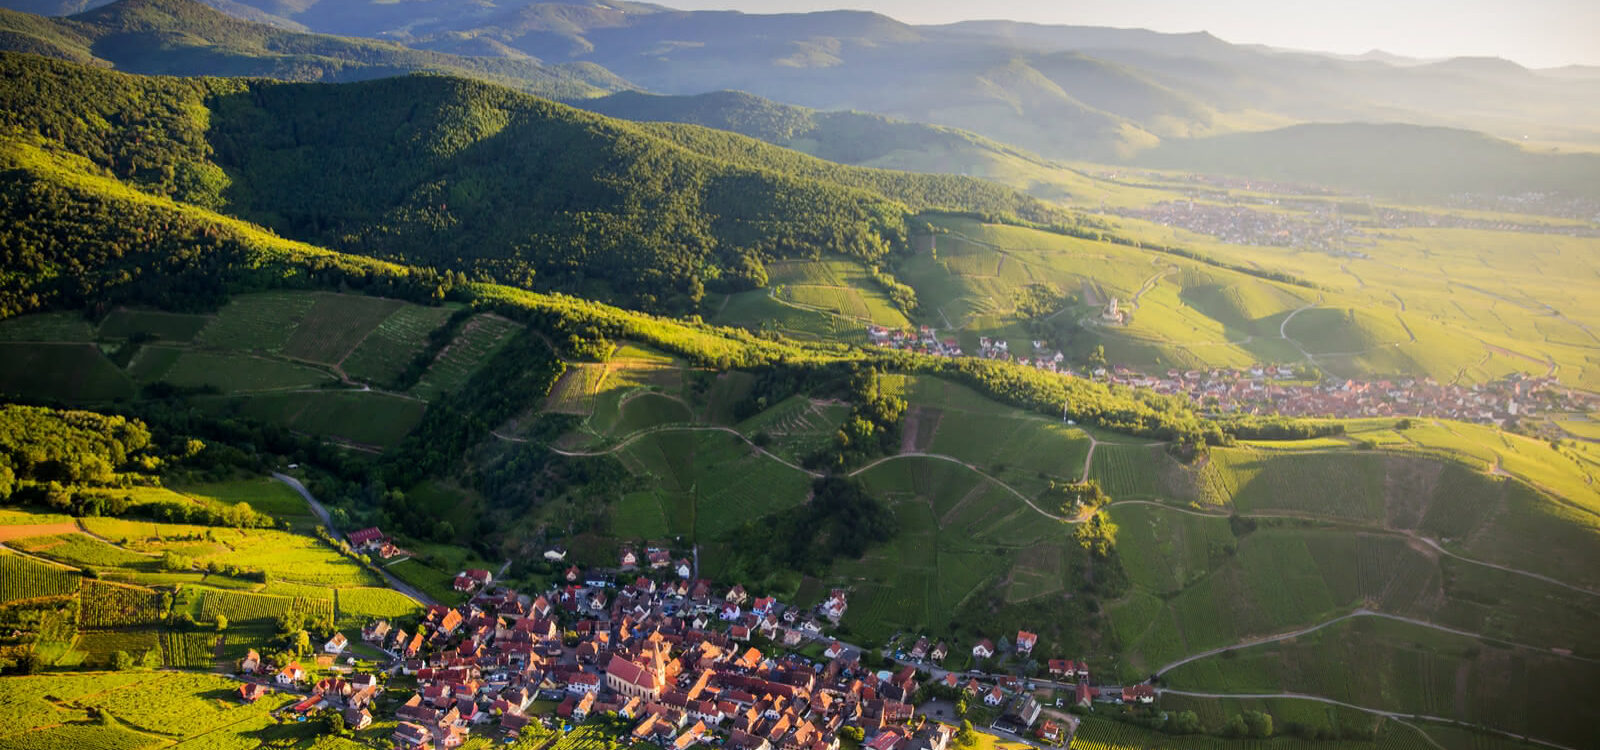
187,38
844,137
464,175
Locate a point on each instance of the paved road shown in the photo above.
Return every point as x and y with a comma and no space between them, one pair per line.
327,520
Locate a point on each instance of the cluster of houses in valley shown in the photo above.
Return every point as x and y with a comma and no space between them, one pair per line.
927,340
1262,388
1259,390
1320,227
352,695
669,654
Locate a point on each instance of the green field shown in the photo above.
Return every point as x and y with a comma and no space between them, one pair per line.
335,324
728,482
1106,734
645,410
797,425
386,351
241,373
961,537
285,556
264,494
164,326
477,340
261,322
363,417
60,371
1273,580
760,310
81,550
431,581
56,326
151,363
1415,670
357,606
21,578
641,515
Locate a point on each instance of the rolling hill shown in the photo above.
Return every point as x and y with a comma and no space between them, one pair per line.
147,212
184,37
467,176
1061,91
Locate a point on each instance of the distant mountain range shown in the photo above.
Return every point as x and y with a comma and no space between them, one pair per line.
184,37
862,88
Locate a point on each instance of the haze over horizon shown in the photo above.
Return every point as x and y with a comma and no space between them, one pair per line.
1534,33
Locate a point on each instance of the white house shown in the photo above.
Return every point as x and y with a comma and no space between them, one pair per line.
291,674
337,644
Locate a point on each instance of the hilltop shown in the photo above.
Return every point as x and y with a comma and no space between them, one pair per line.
652,216
1061,91
186,37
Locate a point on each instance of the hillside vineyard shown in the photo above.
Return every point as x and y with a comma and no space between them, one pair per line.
579,375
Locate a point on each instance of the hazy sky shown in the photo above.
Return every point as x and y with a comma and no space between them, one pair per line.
1537,33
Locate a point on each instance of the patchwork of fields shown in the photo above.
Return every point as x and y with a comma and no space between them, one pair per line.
127,603
285,358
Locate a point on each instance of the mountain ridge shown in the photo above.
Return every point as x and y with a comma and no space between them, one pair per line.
187,37
1068,92
463,175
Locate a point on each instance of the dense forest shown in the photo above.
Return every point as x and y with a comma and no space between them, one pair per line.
82,462
79,238
466,176
67,447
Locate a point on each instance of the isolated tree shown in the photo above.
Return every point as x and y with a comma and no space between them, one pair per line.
1259,723
222,623
121,661
1182,722
334,722
966,736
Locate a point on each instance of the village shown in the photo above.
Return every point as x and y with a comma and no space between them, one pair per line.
1276,389
1321,225
677,662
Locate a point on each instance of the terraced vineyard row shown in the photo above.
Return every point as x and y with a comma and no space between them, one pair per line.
21,578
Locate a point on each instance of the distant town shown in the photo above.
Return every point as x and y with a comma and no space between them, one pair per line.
1268,389
681,664
1319,225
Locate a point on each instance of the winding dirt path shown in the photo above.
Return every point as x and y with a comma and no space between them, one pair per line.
1363,612
1370,529
667,428
1399,716
976,470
